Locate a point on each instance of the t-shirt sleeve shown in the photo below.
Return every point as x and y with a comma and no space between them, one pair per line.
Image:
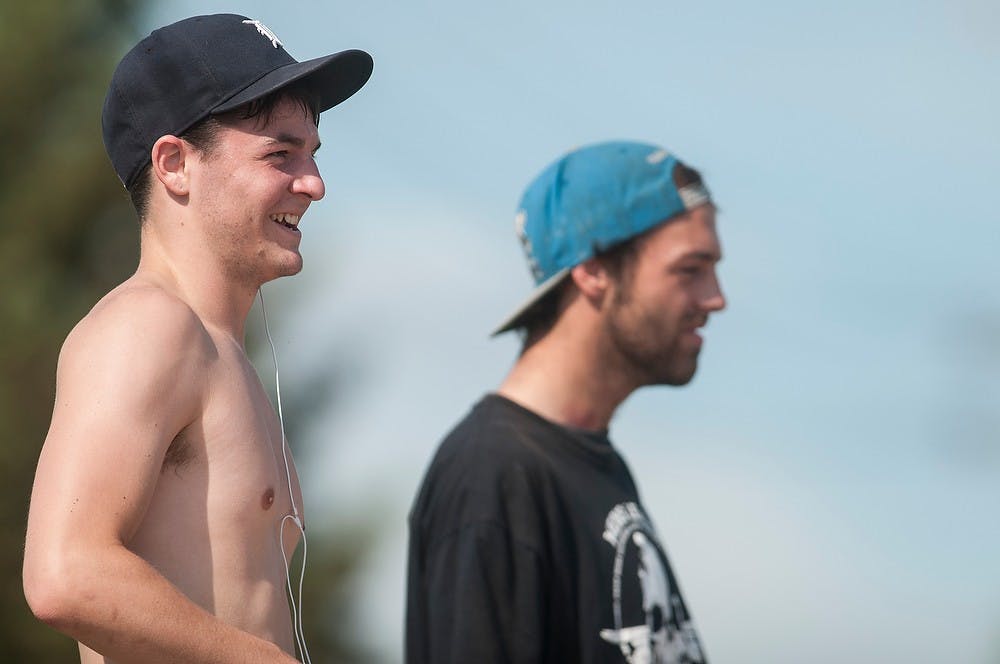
484,598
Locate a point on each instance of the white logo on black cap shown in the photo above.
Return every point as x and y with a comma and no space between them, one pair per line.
265,31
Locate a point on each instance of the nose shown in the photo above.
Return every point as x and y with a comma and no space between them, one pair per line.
309,182
714,299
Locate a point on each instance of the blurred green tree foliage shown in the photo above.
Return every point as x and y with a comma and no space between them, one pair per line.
68,235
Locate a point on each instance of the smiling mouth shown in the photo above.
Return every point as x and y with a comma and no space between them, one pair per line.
697,330
287,220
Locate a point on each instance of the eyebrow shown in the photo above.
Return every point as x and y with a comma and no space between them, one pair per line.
291,139
701,256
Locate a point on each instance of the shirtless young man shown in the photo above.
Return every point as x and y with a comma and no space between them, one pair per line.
162,498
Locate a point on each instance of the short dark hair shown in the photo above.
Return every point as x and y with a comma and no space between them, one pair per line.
539,319
204,134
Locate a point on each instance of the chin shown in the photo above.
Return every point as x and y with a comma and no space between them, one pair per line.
679,379
679,372
289,266
292,270
279,271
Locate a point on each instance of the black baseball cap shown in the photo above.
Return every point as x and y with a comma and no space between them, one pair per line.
206,65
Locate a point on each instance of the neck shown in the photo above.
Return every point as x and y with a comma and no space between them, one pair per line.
197,278
566,377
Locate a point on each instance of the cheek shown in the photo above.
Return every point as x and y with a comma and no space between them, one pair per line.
683,297
235,206
668,313
664,300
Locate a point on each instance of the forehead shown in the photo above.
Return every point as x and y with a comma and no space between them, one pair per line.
692,234
288,118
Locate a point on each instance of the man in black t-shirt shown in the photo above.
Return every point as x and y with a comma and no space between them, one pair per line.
528,540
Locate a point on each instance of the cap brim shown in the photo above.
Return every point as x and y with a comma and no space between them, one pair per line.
516,319
334,78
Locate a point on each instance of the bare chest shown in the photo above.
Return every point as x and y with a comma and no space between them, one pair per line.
216,525
245,452
230,467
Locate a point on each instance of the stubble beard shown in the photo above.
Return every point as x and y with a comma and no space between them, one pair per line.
649,348
254,273
253,266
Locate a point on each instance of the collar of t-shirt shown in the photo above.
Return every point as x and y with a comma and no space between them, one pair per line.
592,437
598,437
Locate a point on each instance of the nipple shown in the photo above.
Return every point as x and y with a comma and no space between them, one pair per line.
267,499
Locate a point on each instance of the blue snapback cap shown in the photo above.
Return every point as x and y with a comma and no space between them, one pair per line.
592,199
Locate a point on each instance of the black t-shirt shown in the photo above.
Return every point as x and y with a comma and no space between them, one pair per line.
528,543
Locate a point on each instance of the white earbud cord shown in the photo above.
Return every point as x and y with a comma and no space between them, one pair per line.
296,604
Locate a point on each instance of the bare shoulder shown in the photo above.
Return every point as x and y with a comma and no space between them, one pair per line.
140,318
139,335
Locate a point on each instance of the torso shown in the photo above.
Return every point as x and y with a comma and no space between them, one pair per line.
610,594
213,523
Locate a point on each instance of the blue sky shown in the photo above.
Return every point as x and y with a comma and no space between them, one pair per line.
828,486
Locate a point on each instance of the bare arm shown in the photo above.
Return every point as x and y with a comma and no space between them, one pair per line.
130,378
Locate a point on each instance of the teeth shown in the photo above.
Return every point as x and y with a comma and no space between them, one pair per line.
286,218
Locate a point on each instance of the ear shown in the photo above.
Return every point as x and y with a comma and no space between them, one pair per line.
591,278
169,158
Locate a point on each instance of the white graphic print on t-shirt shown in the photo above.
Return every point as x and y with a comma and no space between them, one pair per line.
667,635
